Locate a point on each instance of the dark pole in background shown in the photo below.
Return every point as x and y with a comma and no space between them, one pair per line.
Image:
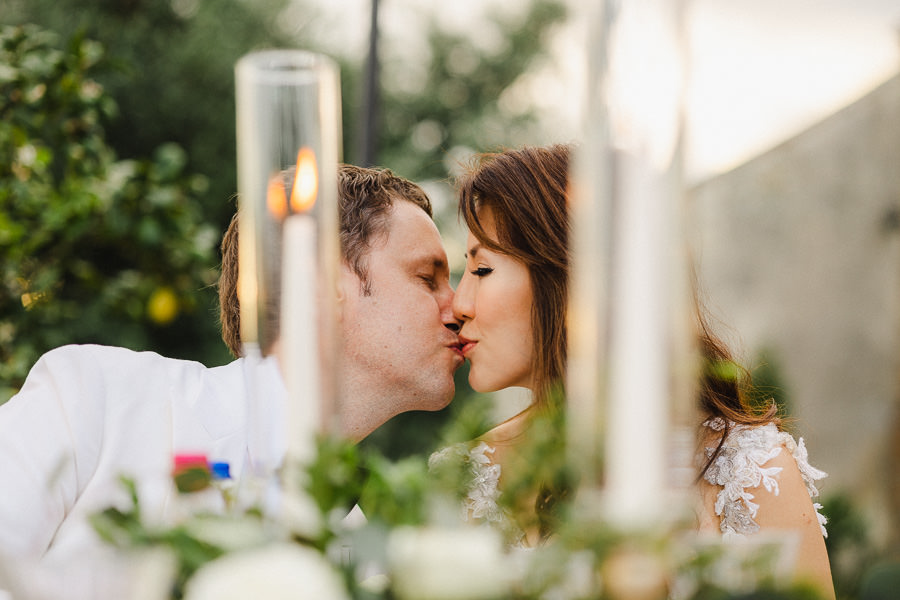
369,135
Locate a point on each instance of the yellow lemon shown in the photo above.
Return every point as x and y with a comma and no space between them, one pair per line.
162,307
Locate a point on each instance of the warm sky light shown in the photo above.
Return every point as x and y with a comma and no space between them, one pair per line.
762,70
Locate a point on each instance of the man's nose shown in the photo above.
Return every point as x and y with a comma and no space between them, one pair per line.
447,316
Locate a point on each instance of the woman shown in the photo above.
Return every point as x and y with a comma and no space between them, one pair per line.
511,304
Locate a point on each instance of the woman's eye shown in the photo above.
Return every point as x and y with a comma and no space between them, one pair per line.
482,271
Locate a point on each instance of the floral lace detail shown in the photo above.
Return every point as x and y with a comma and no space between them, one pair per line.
482,500
739,468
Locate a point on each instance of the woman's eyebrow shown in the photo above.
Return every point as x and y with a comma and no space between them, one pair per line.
473,251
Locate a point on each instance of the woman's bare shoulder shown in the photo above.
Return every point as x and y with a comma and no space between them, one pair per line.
789,505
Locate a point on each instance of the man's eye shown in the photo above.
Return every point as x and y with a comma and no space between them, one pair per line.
482,271
429,281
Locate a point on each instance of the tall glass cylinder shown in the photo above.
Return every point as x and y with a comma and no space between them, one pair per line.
288,146
631,363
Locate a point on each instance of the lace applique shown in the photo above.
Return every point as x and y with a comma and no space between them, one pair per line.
482,500
738,468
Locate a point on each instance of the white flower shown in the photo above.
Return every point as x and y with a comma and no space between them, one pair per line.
230,533
276,572
448,564
301,515
152,573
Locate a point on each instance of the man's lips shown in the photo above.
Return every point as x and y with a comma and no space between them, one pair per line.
466,345
457,348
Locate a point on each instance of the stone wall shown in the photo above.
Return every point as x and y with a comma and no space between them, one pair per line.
799,252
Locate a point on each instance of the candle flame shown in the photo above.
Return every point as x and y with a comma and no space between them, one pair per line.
276,198
306,182
304,188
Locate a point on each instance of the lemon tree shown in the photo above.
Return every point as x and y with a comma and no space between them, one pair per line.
93,249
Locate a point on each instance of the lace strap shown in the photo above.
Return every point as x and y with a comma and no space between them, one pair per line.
481,503
739,468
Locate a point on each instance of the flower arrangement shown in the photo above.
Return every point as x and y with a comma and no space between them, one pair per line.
413,544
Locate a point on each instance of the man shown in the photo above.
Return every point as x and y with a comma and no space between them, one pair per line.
394,275
88,414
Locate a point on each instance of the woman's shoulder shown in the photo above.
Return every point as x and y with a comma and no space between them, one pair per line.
756,445
750,470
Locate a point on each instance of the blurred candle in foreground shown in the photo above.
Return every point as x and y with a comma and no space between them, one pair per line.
630,364
298,321
288,134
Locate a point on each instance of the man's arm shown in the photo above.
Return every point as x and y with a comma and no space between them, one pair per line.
50,439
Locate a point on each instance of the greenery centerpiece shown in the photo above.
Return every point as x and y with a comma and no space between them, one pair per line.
415,543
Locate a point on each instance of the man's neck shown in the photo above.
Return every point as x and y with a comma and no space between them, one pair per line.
365,407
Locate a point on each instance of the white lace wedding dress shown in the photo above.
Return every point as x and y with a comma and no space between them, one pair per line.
737,470
481,502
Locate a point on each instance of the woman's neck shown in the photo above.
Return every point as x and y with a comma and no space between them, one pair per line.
511,429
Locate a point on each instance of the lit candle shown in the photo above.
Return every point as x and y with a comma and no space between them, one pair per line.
288,134
299,331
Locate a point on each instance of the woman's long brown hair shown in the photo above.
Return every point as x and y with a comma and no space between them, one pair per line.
723,387
525,190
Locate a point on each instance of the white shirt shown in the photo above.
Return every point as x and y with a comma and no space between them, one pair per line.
87,415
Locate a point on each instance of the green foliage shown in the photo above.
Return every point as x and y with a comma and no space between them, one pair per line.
390,492
456,102
171,72
768,383
419,432
336,476
400,497
172,76
395,492
849,548
543,468
882,581
725,370
167,77
92,249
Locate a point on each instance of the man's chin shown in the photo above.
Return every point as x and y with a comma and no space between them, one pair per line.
442,400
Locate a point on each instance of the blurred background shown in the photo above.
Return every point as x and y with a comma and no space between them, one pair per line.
117,180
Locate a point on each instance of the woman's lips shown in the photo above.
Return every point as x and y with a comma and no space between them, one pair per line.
466,346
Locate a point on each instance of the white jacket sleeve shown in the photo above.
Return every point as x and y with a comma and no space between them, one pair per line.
51,434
